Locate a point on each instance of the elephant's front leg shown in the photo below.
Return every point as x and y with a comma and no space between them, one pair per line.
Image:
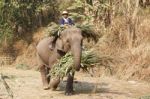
44,77
69,86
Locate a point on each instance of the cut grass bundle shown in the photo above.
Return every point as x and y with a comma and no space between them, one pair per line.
65,65
87,31
52,29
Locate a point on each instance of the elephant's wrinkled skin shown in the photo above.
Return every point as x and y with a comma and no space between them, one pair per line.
70,39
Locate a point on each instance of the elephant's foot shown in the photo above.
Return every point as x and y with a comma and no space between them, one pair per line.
54,83
69,92
69,86
44,73
46,87
53,88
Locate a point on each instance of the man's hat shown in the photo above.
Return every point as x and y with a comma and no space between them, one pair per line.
64,12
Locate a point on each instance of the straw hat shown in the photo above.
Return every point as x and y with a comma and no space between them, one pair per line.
64,12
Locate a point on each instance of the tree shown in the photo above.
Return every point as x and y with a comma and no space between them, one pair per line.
20,16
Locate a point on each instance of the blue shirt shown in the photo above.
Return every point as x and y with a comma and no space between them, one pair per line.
68,21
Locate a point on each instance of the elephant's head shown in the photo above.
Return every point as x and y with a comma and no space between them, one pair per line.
72,39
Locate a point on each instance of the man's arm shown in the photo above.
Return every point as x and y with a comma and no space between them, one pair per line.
61,22
71,22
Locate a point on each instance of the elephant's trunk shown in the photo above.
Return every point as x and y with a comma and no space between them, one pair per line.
76,51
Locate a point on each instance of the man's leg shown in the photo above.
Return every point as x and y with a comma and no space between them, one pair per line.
52,42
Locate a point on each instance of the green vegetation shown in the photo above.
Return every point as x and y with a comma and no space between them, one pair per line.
65,65
88,31
18,17
145,97
22,66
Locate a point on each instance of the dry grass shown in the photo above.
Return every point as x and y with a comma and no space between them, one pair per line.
127,62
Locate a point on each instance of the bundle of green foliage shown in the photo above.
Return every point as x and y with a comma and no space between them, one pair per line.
65,65
87,31
52,29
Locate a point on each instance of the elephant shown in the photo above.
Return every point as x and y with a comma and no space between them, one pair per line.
69,40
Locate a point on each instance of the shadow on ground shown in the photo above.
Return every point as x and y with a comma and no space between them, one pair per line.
90,88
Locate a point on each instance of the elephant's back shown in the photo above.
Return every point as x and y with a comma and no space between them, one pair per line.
43,50
43,42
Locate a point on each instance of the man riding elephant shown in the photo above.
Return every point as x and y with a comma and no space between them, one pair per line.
70,39
65,22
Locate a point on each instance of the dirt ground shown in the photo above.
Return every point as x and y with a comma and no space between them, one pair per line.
26,84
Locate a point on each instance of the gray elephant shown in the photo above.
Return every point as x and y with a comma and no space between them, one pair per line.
69,39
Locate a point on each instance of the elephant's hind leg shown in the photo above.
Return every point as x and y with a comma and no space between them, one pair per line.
44,77
47,73
43,70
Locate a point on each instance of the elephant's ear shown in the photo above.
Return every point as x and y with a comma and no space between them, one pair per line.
59,44
60,47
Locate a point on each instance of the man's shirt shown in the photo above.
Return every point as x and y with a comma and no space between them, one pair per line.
64,21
